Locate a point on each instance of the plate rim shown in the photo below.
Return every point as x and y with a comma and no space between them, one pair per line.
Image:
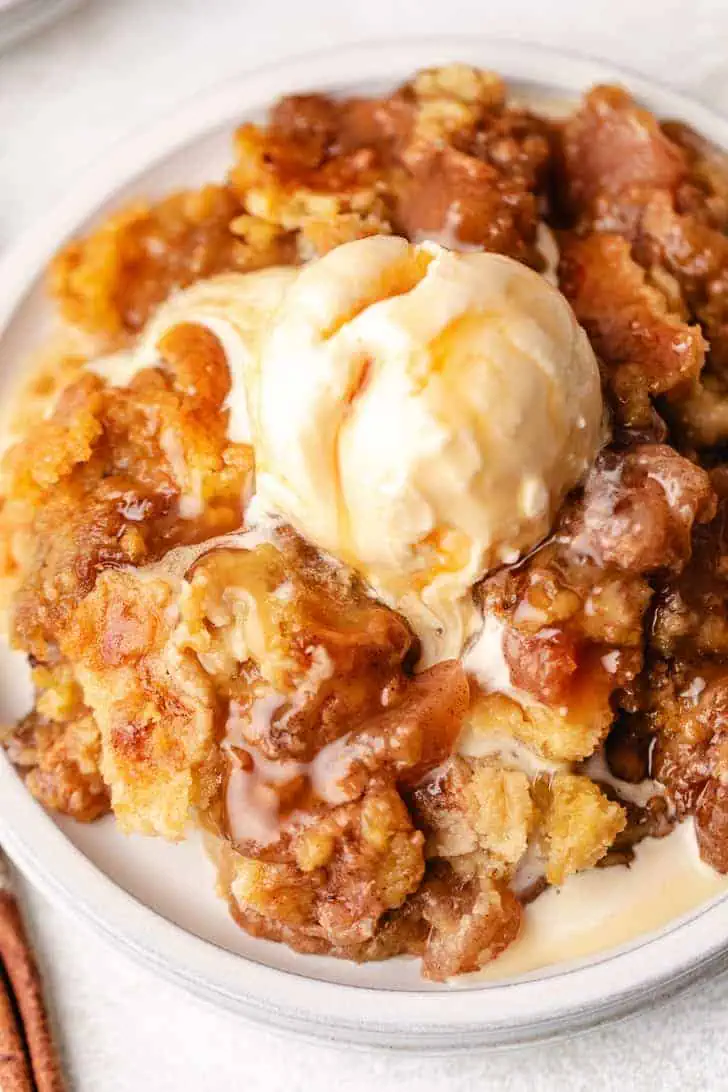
441,1021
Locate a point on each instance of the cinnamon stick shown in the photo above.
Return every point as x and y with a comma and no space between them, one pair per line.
15,1075
32,1043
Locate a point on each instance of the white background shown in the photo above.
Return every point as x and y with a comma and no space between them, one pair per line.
66,96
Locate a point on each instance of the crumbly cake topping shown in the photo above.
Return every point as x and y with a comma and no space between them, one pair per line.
255,688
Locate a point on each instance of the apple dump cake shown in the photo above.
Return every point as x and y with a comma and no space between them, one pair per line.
368,513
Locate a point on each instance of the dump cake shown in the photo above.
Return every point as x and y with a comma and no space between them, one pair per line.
367,513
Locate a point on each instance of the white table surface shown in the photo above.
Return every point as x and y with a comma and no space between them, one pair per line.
66,96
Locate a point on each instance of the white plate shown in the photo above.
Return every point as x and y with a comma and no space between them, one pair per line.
157,900
20,18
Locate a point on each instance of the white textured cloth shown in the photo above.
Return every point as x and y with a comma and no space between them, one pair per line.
66,96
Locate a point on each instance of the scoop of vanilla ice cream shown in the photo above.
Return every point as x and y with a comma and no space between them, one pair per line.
236,307
421,414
